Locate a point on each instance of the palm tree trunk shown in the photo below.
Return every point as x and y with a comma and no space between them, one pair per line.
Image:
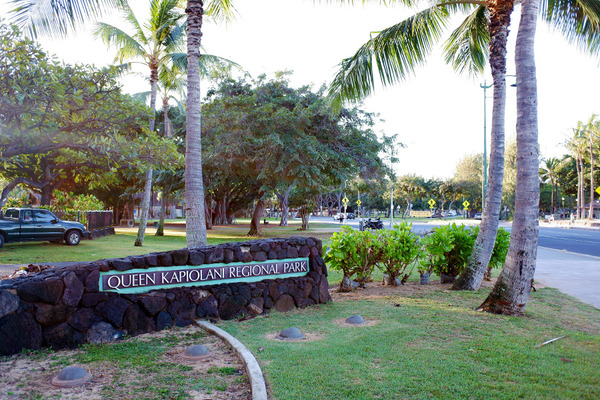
511,291
472,275
148,185
144,211
160,229
194,187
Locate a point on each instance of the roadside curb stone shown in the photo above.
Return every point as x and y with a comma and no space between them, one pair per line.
257,380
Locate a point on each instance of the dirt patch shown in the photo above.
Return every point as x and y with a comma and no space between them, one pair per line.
308,337
368,322
376,290
129,374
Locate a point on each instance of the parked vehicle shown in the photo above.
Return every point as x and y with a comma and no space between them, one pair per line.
32,224
373,224
477,215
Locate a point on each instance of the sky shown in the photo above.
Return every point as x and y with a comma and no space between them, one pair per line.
437,114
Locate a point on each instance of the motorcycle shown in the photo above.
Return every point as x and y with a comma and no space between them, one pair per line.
373,224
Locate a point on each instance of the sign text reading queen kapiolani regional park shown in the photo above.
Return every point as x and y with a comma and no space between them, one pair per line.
145,280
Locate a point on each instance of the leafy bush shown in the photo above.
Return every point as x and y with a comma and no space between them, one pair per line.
354,253
463,239
435,245
400,248
69,202
500,248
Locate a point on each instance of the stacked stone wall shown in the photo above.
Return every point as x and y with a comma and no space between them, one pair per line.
64,307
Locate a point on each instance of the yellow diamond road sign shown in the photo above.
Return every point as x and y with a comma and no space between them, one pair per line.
358,202
598,190
466,204
431,202
345,201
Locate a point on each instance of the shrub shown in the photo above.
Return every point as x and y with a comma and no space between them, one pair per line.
500,248
435,245
463,239
353,253
400,248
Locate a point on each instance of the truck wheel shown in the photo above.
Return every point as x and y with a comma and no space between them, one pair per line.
73,238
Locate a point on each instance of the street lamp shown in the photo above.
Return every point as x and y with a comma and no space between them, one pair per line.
485,169
484,182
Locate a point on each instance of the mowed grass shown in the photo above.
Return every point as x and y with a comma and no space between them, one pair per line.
419,344
430,346
121,244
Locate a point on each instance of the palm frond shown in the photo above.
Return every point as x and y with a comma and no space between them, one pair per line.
57,18
128,47
220,10
467,48
394,54
209,64
577,20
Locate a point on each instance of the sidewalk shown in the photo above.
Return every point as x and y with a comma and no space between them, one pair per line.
577,275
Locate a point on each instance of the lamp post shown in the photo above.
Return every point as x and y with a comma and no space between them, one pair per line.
392,188
485,169
484,182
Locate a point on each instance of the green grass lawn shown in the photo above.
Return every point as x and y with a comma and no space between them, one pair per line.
121,244
430,346
419,344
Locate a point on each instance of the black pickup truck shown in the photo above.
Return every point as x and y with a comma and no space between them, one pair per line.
32,224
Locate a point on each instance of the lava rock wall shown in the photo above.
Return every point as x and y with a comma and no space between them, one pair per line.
63,307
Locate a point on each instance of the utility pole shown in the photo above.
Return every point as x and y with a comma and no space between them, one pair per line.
484,182
392,188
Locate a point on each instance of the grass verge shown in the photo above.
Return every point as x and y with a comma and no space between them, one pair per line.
430,345
121,244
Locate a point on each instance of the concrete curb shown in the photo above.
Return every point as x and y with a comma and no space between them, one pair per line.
257,381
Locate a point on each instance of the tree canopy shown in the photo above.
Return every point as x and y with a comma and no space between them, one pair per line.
62,123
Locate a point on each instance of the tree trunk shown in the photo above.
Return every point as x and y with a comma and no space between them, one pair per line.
148,186
259,210
160,230
194,187
472,275
144,211
305,217
285,208
511,291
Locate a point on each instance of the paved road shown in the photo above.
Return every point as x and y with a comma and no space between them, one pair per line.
579,241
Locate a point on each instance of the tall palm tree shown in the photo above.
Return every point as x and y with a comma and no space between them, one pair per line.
549,173
154,44
577,146
511,291
194,187
57,16
396,51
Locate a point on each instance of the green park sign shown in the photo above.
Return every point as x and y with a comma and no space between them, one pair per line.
145,280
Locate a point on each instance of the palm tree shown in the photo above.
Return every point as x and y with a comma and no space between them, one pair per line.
549,173
576,145
57,16
511,291
396,51
194,188
154,44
